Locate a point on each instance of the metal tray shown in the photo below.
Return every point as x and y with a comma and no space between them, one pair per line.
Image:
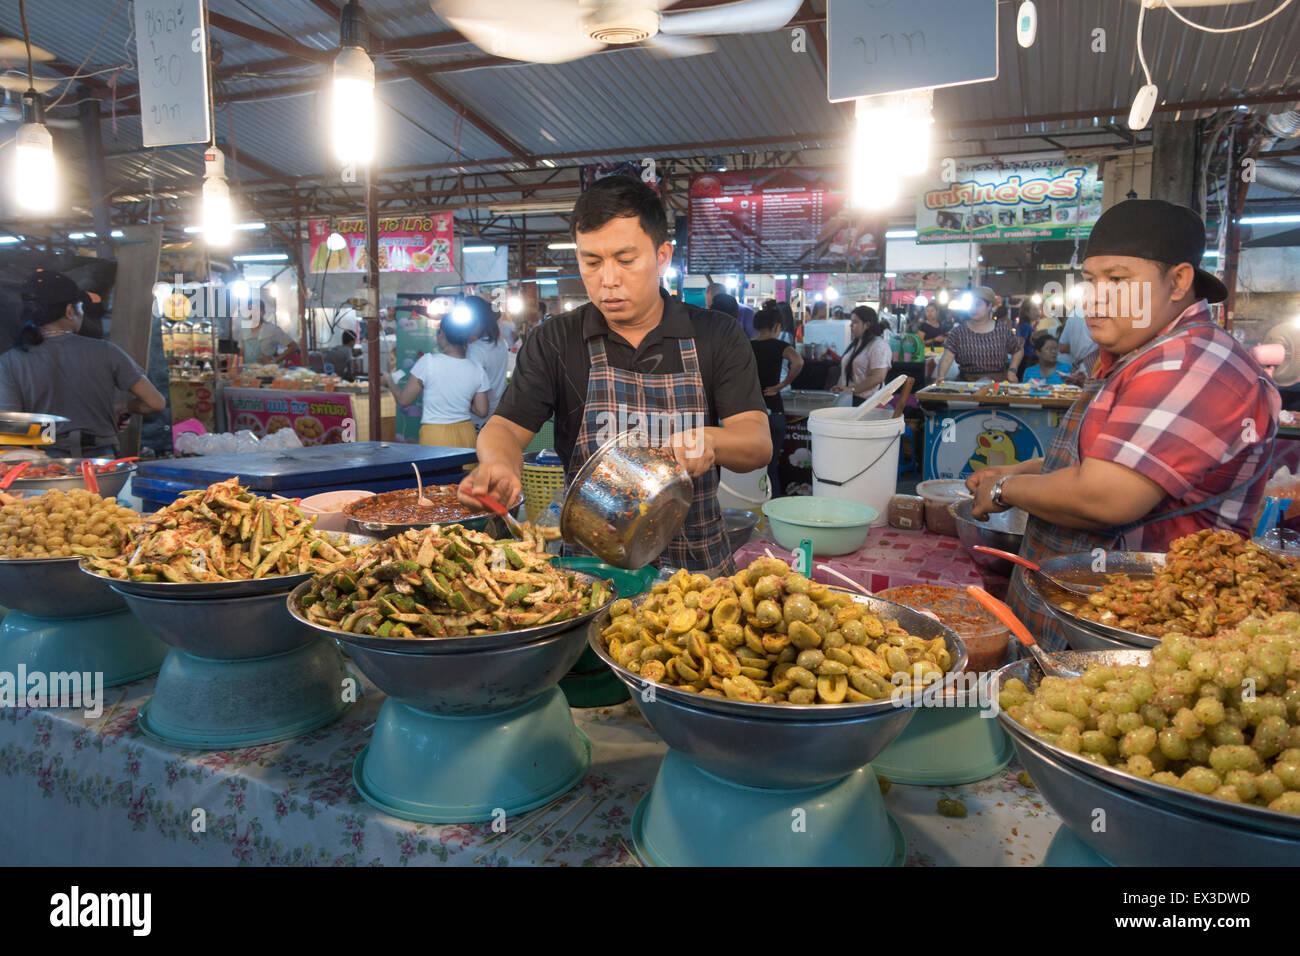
1077,568
28,425
199,590
455,645
914,622
1155,794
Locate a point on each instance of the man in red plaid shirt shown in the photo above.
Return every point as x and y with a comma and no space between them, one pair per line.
1176,425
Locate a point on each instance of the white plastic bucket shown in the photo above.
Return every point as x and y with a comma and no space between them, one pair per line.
747,491
856,460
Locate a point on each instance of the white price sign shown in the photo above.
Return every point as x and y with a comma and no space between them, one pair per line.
171,38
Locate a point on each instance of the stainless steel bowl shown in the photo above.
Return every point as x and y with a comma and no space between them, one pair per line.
740,526
1147,823
1080,633
110,483
1004,531
482,681
776,746
224,629
213,590
438,646
627,503
54,588
31,428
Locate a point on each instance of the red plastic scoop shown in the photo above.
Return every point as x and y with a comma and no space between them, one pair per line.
497,508
88,476
1016,627
13,473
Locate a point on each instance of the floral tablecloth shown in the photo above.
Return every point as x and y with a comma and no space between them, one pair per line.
889,558
97,792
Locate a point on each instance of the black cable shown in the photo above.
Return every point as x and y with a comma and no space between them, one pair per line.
27,40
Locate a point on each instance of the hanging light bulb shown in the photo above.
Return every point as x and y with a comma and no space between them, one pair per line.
916,116
34,179
218,222
354,89
335,242
942,297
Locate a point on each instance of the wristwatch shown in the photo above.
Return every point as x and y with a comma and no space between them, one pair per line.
996,494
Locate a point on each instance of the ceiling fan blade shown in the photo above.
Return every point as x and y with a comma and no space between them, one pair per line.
538,31
12,48
677,46
20,84
746,16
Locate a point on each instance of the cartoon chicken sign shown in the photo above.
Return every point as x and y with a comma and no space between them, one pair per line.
965,443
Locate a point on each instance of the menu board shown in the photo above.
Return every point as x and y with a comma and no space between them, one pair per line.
171,47
406,244
1011,201
779,220
318,418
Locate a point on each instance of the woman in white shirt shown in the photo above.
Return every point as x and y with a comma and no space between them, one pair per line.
865,365
454,387
490,350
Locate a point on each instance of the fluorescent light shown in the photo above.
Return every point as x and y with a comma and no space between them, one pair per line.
263,257
922,301
548,163
78,236
1267,220
900,234
240,226
354,90
10,240
509,208
1211,254
891,275
117,234
548,268
548,282
561,245
478,249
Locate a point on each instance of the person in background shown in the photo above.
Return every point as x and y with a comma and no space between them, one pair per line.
454,387
489,350
1040,322
265,342
1076,340
788,326
727,305
980,345
711,290
931,327
770,351
55,371
911,346
818,312
837,313
337,359
866,363
508,331
1049,368
1025,331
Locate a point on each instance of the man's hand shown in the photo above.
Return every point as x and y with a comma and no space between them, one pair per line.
988,476
983,505
693,450
772,390
1012,377
494,479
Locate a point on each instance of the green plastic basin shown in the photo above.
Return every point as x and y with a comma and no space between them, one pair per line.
834,525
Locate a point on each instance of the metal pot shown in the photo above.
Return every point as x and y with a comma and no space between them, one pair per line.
110,483
628,501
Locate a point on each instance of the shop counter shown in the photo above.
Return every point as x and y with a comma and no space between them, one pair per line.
299,472
81,792
967,432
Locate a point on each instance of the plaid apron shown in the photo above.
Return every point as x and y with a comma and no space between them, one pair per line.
701,545
1044,540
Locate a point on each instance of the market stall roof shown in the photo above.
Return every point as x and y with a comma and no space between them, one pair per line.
450,110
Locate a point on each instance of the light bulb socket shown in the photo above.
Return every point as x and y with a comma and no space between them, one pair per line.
354,28
33,107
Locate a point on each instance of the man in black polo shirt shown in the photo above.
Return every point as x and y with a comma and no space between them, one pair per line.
633,358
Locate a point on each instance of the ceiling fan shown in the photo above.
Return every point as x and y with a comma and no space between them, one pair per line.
553,31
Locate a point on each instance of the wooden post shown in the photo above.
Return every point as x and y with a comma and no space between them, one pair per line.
93,145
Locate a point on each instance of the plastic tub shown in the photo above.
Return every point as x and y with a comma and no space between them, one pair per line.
833,525
856,459
938,494
328,508
986,639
